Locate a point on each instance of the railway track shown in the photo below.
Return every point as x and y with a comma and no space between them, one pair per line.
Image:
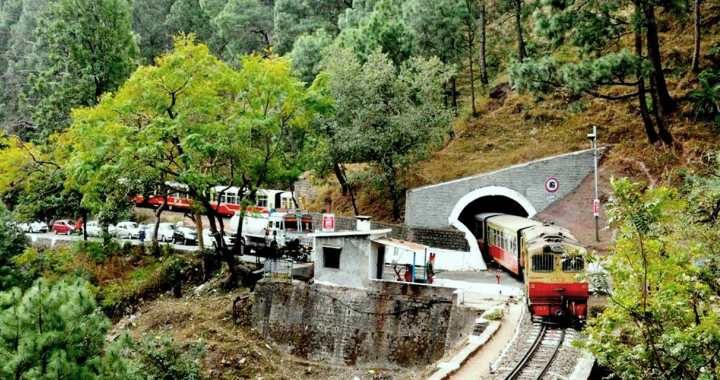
536,362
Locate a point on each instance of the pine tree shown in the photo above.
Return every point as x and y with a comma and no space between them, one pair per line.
56,331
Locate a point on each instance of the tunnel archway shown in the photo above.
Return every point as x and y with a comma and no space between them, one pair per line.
487,199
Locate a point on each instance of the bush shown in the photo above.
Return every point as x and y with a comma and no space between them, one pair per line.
161,359
494,315
706,98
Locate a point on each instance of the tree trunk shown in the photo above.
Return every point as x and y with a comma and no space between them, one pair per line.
391,178
84,215
644,113
453,91
664,133
470,37
653,47
236,271
696,51
158,213
483,39
345,185
522,53
199,230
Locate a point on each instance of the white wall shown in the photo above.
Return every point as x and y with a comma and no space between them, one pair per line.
445,259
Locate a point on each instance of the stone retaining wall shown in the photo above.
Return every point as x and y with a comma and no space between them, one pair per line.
393,324
447,238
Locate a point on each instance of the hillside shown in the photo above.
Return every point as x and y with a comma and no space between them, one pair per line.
513,127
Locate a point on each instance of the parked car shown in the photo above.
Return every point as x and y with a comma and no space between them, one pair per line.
93,228
34,227
184,235
127,230
165,231
63,226
209,240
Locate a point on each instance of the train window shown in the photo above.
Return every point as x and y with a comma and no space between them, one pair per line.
221,199
262,201
543,263
231,198
573,264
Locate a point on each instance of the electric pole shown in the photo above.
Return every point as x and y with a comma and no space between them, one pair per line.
596,201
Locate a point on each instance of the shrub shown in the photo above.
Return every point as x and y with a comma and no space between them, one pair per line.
12,243
162,359
494,315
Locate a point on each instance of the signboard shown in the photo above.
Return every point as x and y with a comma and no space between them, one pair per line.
328,223
596,207
552,185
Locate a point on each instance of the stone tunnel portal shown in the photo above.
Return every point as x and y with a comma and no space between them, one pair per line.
487,199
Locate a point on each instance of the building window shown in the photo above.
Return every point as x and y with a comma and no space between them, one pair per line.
331,257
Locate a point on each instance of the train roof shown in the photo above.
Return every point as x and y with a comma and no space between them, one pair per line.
512,222
549,231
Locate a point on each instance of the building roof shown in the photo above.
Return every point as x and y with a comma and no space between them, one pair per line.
407,245
351,233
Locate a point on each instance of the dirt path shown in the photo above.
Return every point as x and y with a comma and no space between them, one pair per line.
478,366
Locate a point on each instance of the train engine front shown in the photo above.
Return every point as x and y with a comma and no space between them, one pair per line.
555,274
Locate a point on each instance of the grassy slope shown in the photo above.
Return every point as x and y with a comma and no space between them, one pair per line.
519,128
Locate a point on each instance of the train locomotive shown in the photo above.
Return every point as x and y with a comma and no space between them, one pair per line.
547,257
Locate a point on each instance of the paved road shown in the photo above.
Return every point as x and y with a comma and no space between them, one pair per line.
54,239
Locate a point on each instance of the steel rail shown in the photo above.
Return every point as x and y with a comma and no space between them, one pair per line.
529,354
552,358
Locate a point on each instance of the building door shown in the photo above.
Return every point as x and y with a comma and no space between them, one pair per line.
380,262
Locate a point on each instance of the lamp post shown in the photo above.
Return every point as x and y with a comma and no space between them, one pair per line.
596,201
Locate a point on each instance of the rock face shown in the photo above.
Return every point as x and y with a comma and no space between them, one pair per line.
393,324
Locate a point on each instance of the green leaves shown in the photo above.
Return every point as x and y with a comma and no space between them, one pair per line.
662,317
55,331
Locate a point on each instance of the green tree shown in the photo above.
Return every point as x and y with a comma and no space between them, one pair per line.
18,59
662,318
385,115
148,22
295,18
376,24
56,331
87,49
599,60
12,243
307,54
192,119
245,26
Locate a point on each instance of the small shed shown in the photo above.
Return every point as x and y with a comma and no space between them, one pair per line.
347,258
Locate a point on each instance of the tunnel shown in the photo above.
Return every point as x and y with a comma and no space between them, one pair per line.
487,199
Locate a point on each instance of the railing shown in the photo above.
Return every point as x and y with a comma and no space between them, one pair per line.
278,270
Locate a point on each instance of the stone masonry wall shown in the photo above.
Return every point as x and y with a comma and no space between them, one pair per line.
445,238
430,206
393,324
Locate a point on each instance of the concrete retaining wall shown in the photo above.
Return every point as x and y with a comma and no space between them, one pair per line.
393,324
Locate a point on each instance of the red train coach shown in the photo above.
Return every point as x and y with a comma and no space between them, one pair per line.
548,258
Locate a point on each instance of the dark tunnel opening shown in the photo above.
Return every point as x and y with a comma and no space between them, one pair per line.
493,203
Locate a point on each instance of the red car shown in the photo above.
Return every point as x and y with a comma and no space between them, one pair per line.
64,226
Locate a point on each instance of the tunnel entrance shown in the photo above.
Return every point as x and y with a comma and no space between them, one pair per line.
487,199
493,203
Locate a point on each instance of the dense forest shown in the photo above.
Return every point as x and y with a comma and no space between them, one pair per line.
101,100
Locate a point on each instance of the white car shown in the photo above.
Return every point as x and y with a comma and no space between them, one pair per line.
184,235
93,228
209,241
127,230
34,227
165,231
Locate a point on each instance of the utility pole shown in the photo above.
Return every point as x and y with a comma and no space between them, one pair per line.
596,201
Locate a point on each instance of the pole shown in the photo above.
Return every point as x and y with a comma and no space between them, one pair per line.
596,200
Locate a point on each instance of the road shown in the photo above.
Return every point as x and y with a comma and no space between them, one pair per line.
53,239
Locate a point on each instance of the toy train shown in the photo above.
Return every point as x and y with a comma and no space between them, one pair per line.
547,257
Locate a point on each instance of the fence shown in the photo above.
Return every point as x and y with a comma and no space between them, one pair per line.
278,270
